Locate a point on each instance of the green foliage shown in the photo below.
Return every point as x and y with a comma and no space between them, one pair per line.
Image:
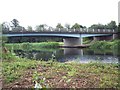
29,28
46,45
40,27
77,26
86,41
32,46
63,71
97,26
111,25
39,79
106,45
59,25
8,56
15,23
4,39
14,69
5,27
26,46
14,46
72,72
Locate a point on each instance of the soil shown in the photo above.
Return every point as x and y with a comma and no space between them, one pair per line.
54,81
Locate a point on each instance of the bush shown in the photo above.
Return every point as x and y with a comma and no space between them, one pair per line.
46,45
106,45
26,46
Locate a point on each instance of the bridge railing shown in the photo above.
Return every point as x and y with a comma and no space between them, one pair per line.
81,30
100,31
86,30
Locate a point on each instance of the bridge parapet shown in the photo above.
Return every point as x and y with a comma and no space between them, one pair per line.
80,30
65,30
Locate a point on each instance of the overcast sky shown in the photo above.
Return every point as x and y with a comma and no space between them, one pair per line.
51,12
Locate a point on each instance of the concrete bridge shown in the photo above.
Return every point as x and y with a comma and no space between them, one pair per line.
69,38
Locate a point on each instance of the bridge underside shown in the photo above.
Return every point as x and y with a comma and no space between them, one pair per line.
69,40
110,37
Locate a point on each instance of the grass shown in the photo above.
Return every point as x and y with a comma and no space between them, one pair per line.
105,46
12,70
53,74
115,44
93,74
32,46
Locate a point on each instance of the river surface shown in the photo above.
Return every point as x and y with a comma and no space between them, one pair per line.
70,54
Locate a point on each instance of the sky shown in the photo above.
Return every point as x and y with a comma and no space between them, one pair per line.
52,12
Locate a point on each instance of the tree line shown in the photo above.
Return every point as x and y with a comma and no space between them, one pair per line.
14,26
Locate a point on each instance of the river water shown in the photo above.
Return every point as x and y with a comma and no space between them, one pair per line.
70,54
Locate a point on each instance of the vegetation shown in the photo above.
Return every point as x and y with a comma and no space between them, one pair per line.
106,46
29,28
115,44
13,69
19,72
59,25
112,25
14,26
77,26
67,26
32,46
22,72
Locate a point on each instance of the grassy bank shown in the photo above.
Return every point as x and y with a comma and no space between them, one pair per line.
13,66
32,46
115,44
18,72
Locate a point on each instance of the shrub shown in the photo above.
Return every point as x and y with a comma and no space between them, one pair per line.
26,46
115,44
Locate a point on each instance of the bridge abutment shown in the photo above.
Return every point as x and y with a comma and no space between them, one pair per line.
72,41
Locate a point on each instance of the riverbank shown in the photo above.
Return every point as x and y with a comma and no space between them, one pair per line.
32,46
23,73
115,44
106,46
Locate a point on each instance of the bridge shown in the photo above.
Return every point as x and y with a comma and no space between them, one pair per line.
72,38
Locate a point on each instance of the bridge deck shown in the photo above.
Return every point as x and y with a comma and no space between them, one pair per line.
54,35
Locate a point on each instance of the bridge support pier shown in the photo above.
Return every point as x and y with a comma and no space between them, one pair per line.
95,38
114,36
72,41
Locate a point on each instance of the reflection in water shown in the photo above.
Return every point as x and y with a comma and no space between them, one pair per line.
73,51
70,54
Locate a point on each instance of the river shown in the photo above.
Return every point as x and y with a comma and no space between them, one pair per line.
70,54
